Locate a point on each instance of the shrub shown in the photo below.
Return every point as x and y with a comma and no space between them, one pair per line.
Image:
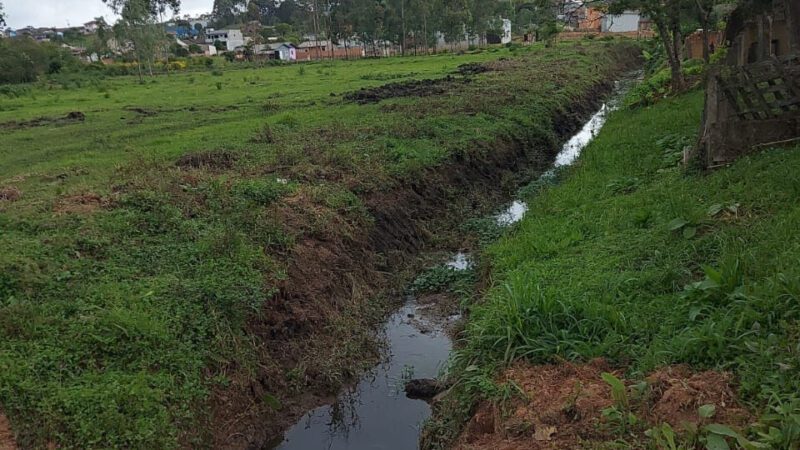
25,60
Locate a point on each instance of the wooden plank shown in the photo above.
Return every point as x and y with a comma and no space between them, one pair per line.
764,106
790,78
784,103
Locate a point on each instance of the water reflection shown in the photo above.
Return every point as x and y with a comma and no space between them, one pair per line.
375,414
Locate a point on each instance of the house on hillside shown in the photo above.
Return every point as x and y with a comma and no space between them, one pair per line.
285,51
92,27
231,38
627,22
583,20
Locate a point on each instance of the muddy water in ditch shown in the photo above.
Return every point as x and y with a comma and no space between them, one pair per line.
376,414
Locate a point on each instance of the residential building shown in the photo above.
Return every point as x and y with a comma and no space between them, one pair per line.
208,49
91,27
627,22
231,38
285,51
325,49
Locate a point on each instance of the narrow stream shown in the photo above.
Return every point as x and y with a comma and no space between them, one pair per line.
376,414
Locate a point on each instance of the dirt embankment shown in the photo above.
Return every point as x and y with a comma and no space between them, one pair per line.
341,266
562,407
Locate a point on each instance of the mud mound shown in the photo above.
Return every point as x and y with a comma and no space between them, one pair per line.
7,441
142,111
69,118
10,194
564,404
220,159
472,69
414,88
80,204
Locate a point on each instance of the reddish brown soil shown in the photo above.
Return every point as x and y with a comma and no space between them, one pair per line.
7,440
564,402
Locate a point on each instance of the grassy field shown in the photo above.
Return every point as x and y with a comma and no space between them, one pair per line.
634,260
150,250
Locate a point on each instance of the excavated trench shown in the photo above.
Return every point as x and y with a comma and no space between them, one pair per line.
348,269
377,413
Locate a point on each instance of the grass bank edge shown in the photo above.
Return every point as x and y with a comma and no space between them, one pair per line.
628,237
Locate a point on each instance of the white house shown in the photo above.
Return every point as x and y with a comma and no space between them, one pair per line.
506,37
628,21
231,38
91,27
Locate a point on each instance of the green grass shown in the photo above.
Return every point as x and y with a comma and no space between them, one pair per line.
634,260
129,286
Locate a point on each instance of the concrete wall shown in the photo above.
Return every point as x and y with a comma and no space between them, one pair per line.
623,23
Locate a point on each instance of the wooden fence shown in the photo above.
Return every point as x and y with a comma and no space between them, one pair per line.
750,106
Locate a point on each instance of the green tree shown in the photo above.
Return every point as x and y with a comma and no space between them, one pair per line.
2,16
154,7
25,60
225,11
539,17
667,15
138,26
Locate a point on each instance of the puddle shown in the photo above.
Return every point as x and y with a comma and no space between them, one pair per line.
376,414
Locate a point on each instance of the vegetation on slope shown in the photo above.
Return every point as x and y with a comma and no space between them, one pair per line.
636,261
173,252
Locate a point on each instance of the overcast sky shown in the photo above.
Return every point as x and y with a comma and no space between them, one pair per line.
57,13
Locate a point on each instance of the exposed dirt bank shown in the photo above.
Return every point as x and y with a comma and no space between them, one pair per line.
562,406
342,265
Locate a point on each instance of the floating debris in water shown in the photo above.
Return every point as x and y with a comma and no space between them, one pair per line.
460,261
513,214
